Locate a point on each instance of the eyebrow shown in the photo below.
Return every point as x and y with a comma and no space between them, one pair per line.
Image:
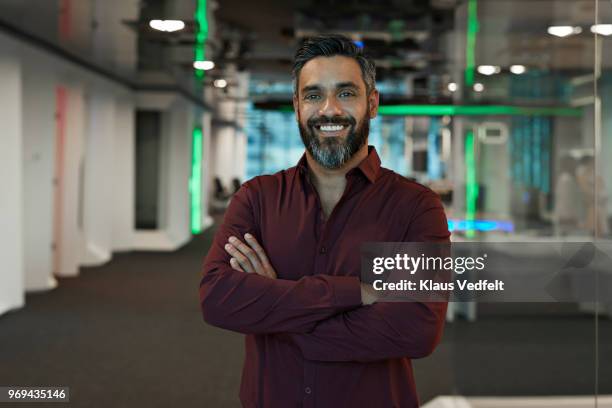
339,85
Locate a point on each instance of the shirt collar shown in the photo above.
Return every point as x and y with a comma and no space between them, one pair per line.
369,167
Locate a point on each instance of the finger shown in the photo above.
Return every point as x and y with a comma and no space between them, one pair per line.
249,253
242,260
258,249
261,254
234,264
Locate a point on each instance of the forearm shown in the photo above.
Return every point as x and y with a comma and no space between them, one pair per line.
376,332
249,303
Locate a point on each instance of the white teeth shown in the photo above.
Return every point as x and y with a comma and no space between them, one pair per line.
331,128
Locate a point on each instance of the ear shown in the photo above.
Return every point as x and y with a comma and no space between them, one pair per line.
373,99
296,107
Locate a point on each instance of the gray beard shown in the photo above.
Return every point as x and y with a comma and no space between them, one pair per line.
333,152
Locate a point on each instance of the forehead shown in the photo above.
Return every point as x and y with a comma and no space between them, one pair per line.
328,71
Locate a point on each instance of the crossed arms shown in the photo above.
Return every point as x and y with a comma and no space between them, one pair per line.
327,316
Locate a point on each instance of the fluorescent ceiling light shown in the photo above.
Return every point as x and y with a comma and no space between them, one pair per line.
478,87
518,69
220,83
602,29
167,25
204,65
488,69
563,31
452,87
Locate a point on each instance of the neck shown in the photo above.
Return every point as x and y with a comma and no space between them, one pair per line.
333,179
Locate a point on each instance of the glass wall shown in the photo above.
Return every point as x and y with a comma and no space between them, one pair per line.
603,186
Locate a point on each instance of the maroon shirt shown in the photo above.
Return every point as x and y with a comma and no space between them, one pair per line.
310,342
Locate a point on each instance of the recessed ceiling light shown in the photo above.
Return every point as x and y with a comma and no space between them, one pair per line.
220,83
489,69
167,25
452,87
478,87
602,29
204,65
518,69
564,31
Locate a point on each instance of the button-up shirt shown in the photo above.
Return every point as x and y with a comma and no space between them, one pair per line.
309,340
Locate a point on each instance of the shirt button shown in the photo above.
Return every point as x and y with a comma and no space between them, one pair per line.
307,390
323,250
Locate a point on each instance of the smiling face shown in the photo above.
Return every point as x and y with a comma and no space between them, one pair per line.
333,109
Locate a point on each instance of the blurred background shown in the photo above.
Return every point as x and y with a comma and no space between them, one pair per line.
126,126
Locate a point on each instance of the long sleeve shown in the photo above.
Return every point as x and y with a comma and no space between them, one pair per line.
253,304
391,329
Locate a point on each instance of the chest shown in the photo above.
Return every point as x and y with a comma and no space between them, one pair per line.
302,241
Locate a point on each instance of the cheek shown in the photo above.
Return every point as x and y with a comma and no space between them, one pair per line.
357,110
358,114
305,113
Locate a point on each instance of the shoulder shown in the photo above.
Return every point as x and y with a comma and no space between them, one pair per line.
418,207
268,183
408,190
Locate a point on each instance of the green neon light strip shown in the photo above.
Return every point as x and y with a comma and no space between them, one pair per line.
199,48
195,182
471,184
476,110
470,45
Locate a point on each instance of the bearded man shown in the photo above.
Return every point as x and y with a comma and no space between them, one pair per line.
284,266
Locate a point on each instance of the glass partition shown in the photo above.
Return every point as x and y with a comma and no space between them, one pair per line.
602,203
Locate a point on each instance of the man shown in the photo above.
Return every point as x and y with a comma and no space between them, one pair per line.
284,266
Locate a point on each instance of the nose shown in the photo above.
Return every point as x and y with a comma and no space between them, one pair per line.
330,107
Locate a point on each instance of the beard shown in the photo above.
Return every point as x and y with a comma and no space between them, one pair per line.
334,152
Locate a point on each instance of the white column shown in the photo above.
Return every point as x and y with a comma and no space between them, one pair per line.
99,197
39,128
68,231
225,143
11,199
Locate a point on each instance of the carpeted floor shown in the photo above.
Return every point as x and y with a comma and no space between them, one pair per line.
130,334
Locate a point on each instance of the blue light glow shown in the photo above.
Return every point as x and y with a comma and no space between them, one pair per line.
480,225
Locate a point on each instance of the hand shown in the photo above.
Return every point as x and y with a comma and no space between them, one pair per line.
368,294
249,258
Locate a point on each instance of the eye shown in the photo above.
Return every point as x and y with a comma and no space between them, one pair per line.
346,94
311,97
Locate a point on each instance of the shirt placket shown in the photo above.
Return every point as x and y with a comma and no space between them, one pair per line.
322,258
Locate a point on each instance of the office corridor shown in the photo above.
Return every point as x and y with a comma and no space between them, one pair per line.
126,334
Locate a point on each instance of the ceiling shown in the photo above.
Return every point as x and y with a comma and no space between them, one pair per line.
422,41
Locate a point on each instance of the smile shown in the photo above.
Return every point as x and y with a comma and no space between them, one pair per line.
331,128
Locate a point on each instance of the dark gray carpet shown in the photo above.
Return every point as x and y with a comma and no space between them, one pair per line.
130,334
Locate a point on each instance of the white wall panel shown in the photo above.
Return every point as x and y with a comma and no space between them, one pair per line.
69,236
39,128
11,198
98,198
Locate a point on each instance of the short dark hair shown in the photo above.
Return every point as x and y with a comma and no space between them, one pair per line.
329,46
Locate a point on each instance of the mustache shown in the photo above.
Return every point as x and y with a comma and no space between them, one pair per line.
336,120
